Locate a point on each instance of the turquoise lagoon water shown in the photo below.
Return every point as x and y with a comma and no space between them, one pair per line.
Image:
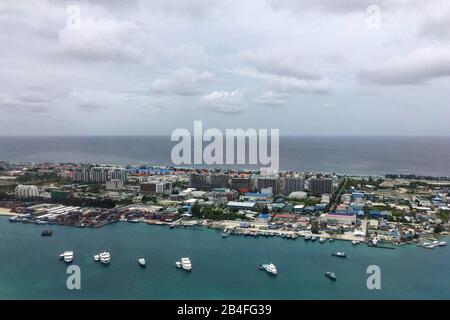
223,268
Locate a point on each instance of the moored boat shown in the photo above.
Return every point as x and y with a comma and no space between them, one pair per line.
46,233
67,256
330,275
269,268
141,262
105,257
186,264
340,254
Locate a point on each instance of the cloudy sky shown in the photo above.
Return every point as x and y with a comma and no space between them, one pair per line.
307,67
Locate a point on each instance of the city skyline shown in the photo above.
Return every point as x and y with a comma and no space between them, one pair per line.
305,67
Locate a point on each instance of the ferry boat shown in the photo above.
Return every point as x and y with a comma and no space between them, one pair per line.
67,256
105,257
340,254
141,262
186,264
269,268
46,233
330,275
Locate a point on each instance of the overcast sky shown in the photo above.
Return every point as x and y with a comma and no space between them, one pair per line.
307,67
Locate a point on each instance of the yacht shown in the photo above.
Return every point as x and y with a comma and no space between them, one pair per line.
374,241
186,264
322,240
308,237
105,257
141,262
313,238
330,275
178,264
96,257
270,268
442,244
355,242
340,254
67,256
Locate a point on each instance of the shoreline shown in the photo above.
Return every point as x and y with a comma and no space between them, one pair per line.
257,232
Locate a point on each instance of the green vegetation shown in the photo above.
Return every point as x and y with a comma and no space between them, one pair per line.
41,179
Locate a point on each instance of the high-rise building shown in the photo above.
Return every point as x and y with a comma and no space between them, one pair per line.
155,187
26,191
292,184
241,184
269,182
198,181
100,174
219,181
319,186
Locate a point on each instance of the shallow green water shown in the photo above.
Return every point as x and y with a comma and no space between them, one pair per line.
225,268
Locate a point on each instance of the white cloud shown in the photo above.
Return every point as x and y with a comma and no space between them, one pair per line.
271,99
99,40
227,102
185,81
417,67
287,71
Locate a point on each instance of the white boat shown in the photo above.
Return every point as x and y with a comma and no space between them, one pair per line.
313,238
67,256
178,264
96,257
186,264
330,275
340,254
308,237
322,240
270,268
105,257
141,262
374,241
355,242
442,244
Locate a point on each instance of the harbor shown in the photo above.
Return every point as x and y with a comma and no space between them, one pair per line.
221,268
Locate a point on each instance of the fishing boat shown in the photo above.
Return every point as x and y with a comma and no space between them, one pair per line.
330,275
269,268
141,262
339,254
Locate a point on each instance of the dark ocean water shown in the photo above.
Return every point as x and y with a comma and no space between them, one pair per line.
223,268
347,155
